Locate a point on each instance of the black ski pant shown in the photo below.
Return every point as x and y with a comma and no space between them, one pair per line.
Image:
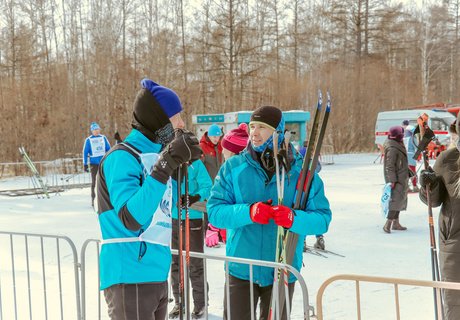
393,214
145,301
94,168
196,264
240,299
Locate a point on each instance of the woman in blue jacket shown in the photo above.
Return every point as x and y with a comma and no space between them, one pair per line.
240,201
134,205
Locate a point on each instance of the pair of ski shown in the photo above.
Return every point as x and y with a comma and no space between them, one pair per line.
36,177
321,252
287,241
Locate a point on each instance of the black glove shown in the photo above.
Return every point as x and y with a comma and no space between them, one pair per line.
192,198
185,147
85,167
428,177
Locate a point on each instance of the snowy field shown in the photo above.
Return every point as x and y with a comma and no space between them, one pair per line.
353,186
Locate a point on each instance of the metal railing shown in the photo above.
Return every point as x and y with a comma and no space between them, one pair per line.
205,257
39,277
397,282
327,154
58,175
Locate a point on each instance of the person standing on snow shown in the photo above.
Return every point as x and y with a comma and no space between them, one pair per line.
199,186
396,172
409,143
212,155
444,183
94,148
134,205
233,143
212,150
241,202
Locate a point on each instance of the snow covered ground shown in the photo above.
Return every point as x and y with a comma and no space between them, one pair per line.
353,186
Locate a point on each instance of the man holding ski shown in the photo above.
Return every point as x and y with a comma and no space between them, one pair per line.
244,200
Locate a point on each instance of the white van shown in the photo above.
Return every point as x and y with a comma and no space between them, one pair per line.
439,121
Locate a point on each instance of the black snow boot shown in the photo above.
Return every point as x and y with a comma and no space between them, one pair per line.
174,313
198,312
319,244
387,226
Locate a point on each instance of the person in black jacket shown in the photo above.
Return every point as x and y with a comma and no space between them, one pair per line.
444,182
396,172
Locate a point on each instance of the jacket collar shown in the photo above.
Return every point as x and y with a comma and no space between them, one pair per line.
142,143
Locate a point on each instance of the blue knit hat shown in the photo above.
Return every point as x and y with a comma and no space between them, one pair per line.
214,131
166,98
94,126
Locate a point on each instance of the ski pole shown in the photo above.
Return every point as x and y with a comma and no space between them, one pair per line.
438,307
179,249
274,304
279,297
187,243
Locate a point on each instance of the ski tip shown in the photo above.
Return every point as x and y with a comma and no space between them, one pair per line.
320,99
328,104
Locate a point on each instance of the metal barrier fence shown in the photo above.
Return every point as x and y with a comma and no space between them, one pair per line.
58,175
327,154
397,282
95,294
39,277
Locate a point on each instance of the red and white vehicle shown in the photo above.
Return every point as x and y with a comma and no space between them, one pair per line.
439,121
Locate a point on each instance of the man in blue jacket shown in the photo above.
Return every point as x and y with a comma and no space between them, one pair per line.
94,148
241,202
134,205
199,186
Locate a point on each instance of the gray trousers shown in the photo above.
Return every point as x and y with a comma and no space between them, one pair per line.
196,264
93,168
240,300
145,301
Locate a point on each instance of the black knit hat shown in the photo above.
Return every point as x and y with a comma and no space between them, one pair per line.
267,115
153,107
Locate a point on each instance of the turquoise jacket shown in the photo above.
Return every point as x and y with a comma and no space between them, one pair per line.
241,181
129,199
199,183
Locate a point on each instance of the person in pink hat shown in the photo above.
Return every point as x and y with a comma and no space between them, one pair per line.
232,143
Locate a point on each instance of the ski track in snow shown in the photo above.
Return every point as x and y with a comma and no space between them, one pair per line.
353,186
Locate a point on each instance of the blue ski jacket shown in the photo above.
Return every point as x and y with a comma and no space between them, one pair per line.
241,181
126,204
409,143
94,148
199,183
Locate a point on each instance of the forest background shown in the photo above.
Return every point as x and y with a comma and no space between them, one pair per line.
64,64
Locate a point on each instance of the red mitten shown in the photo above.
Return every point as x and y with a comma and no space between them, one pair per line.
223,235
261,212
283,216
